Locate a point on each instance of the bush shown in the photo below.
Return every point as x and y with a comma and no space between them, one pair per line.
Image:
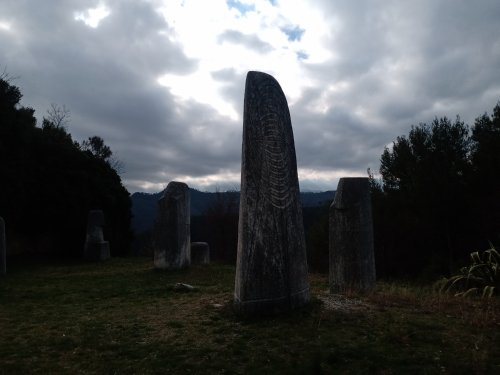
481,277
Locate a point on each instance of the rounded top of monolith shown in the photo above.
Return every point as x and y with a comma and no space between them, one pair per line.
255,77
256,74
175,186
350,190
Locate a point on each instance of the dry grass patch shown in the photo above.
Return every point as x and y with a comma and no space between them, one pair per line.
474,311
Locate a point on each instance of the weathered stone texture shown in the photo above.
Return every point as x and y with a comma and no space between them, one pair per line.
3,248
95,246
352,260
271,268
172,233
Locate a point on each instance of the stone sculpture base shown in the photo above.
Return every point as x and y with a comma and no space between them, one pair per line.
97,251
200,253
272,306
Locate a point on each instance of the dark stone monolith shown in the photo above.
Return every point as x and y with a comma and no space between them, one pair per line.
95,246
3,248
172,233
200,253
352,259
271,267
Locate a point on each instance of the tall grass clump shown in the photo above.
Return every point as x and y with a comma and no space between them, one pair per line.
481,277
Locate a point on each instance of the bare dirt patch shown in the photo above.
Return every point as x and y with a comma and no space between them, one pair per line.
339,302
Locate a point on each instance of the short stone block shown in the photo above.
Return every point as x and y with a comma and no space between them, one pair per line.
172,229
352,259
200,253
96,249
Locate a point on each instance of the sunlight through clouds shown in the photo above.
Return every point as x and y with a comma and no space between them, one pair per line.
93,16
225,180
316,180
6,26
245,36
200,87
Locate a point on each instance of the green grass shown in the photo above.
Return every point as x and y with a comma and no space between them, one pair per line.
124,317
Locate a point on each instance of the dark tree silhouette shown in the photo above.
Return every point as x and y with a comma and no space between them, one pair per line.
439,197
49,184
95,145
221,226
58,116
486,182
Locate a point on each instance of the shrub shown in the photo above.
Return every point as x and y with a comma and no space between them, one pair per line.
481,277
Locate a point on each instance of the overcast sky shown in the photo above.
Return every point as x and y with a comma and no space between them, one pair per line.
162,82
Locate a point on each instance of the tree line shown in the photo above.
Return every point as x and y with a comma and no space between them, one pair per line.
438,198
49,182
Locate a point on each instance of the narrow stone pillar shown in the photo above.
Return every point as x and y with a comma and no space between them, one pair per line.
172,232
95,246
271,266
200,253
3,248
352,259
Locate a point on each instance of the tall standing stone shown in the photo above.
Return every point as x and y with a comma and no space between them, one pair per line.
352,259
271,267
172,233
95,246
3,248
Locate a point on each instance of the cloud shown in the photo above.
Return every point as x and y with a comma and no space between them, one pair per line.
251,42
93,16
401,64
163,81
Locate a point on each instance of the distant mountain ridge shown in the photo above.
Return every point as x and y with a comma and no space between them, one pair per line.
145,205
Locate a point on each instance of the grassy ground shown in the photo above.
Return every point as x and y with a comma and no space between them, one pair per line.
124,317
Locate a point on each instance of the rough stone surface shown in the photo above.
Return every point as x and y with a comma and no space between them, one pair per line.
3,248
172,233
200,253
95,246
271,267
352,260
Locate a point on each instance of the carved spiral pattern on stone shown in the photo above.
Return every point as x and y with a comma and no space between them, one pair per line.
271,266
276,156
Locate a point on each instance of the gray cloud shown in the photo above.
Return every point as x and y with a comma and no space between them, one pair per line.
107,78
248,41
233,87
394,64
404,63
